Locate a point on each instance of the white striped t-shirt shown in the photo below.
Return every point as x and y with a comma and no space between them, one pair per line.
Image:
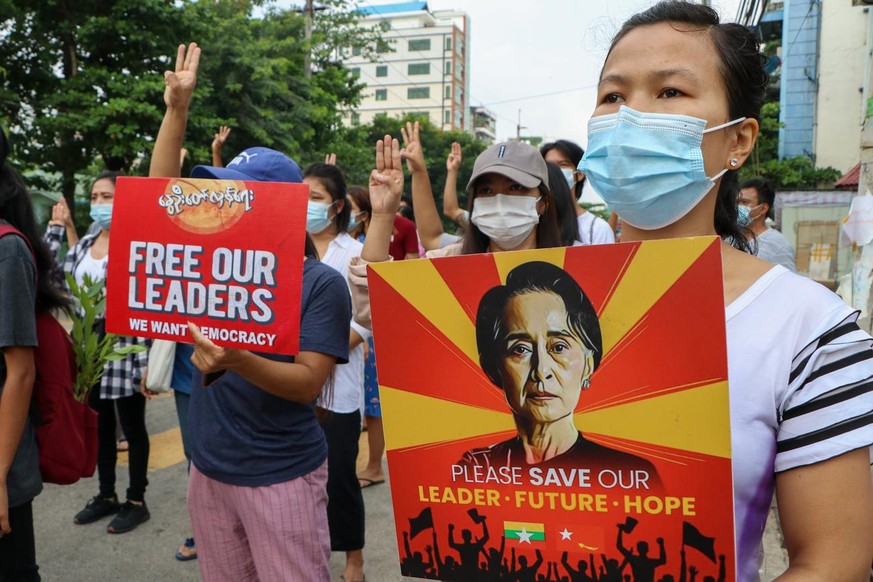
801,391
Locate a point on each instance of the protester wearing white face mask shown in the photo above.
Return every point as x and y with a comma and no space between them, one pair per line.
511,209
754,206
593,230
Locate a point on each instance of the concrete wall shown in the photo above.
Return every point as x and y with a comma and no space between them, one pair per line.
842,58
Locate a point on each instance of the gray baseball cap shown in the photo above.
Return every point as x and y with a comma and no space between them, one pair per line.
515,160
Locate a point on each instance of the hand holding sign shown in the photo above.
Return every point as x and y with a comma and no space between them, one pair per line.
208,357
181,83
386,181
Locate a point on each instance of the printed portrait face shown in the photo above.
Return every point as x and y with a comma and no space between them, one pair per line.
544,362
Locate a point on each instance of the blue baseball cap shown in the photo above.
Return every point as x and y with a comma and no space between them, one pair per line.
254,164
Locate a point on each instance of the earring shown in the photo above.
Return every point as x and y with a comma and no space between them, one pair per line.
734,162
586,383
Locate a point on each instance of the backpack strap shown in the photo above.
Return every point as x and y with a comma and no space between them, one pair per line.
9,229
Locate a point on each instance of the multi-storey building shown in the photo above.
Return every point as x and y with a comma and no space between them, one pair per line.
426,72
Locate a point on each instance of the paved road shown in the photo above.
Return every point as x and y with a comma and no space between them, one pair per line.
72,553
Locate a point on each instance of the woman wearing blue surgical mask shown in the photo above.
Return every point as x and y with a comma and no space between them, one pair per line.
327,221
120,386
677,115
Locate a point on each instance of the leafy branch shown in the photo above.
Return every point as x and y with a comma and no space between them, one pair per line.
92,351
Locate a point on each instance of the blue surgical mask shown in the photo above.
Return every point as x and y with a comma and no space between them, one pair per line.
317,217
102,215
570,176
353,222
744,215
648,167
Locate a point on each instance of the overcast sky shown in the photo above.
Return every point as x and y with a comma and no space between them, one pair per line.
525,50
540,56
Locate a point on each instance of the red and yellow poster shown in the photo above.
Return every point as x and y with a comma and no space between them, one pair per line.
558,413
224,255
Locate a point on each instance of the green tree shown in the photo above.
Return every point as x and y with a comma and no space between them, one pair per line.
82,80
798,173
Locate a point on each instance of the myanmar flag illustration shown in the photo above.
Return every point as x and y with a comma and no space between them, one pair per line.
524,532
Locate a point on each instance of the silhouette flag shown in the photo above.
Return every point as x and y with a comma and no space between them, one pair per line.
422,522
691,536
628,525
474,515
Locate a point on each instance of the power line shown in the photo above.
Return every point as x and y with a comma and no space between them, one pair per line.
541,95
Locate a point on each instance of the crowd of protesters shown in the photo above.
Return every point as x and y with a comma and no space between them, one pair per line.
272,441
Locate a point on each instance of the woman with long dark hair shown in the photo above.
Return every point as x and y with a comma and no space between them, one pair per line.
27,285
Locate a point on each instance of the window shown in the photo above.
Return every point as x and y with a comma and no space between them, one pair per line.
448,92
448,43
447,116
418,93
419,114
356,71
356,51
381,94
418,69
448,70
382,70
419,44
356,118
381,115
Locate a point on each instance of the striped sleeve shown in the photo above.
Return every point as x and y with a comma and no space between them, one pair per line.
828,408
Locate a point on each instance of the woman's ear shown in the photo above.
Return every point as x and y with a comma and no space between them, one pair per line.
743,143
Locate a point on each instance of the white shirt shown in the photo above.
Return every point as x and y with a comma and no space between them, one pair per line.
799,372
94,268
593,230
773,247
348,379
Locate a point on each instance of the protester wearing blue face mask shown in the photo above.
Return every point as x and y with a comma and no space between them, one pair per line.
754,206
327,221
677,112
566,154
120,386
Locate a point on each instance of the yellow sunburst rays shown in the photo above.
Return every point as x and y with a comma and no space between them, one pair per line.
670,420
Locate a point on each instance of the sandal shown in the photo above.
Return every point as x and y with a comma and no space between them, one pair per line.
122,446
187,551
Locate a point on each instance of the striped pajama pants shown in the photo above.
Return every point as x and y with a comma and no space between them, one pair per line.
266,534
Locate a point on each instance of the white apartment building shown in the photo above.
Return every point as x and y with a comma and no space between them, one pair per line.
427,71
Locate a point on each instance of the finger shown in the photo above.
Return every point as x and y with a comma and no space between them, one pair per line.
200,340
189,54
388,152
380,156
194,52
405,135
416,129
395,154
171,79
180,59
456,148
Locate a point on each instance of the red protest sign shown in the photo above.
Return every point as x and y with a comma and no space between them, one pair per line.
225,255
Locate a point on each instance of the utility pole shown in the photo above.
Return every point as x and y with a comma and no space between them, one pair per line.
307,34
519,127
